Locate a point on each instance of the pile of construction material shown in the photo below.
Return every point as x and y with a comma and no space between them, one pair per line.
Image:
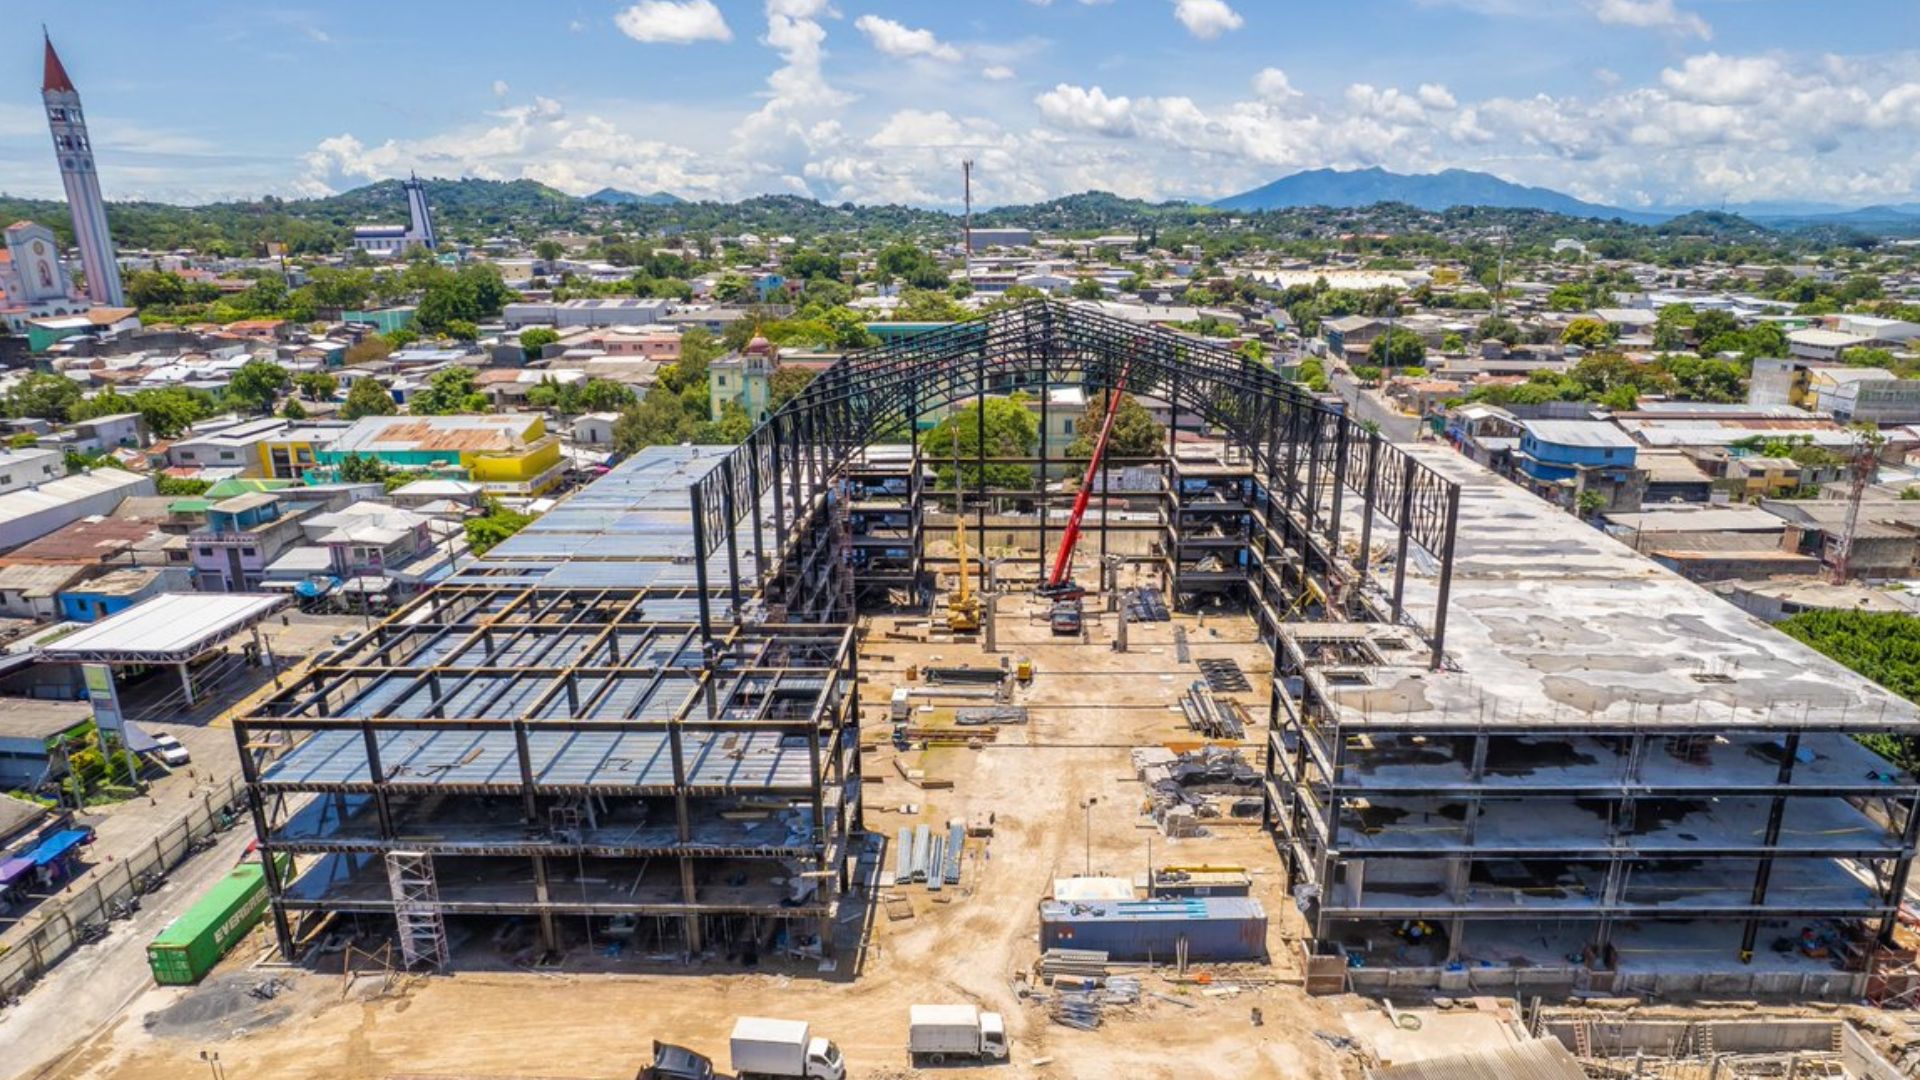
1082,988
1147,605
1184,789
923,856
1209,715
1225,676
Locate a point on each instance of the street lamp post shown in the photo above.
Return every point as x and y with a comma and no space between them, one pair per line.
1088,807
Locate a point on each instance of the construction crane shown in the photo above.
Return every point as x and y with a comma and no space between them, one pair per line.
1866,459
1065,617
963,608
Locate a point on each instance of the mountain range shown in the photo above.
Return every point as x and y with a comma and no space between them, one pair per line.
1350,188
616,197
1342,189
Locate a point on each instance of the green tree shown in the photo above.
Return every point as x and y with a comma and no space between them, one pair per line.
786,384
358,469
922,305
658,420
366,397
1884,647
534,339
371,347
1011,431
43,396
1398,348
1088,289
171,410
548,250
108,402
257,385
1587,333
1498,328
733,289
155,289
496,525
180,487
449,391
316,385
293,410
1453,343
1135,432
1590,503
22,440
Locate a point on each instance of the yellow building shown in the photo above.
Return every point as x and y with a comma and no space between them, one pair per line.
510,455
289,454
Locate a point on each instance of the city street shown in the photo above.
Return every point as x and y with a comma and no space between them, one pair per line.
94,985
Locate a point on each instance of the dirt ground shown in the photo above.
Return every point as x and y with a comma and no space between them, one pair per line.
1088,706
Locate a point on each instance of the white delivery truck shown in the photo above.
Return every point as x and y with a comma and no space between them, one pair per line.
938,1032
783,1049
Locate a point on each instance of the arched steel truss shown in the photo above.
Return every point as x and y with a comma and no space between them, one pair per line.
1309,455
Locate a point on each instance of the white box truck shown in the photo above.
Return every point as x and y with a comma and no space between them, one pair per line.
784,1049
938,1032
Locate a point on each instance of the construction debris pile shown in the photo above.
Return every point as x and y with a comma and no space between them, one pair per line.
1185,788
1147,605
1080,987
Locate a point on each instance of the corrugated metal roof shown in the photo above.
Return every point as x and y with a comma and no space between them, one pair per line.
57,493
1537,1059
170,623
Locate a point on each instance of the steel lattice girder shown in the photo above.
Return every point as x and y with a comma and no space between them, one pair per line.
1304,448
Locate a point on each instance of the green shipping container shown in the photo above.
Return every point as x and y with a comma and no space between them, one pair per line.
190,945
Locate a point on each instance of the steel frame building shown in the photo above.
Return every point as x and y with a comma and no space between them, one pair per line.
1615,782
646,704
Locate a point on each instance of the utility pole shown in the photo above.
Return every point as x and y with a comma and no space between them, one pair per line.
966,224
1500,270
1866,458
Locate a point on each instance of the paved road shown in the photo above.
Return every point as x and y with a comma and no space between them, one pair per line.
93,985
1395,426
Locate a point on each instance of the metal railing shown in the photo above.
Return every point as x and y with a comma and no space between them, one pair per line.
63,923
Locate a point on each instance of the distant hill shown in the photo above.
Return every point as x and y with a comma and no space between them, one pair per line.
616,197
1426,191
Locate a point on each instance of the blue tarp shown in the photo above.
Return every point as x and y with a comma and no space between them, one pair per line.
58,846
313,587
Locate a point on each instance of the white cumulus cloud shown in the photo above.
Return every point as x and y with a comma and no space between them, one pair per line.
1207,19
903,42
1652,15
1084,108
996,72
673,22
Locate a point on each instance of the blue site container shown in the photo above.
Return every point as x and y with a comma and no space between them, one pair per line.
1218,928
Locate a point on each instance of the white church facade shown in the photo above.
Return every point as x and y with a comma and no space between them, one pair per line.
389,241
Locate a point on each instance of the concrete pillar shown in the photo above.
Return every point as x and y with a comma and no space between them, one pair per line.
1120,632
989,605
186,684
542,894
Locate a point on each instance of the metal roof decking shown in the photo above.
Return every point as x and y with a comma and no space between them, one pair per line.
628,760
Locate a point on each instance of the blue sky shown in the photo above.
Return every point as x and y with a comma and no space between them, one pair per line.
1632,102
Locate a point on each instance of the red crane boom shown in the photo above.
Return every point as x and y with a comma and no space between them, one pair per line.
1058,577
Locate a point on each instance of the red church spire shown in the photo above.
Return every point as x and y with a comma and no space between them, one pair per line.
56,72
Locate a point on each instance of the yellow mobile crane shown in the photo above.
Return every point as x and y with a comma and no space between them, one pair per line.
963,608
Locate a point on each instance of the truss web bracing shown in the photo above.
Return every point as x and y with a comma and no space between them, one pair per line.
1317,471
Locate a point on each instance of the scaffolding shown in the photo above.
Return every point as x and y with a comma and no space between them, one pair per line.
416,909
